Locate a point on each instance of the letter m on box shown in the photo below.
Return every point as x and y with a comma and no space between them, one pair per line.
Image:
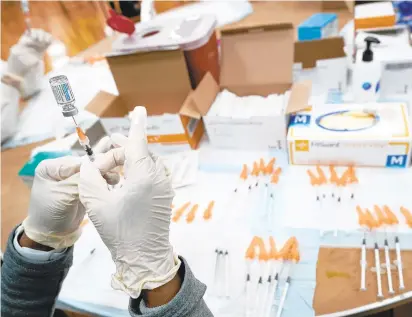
300,119
396,161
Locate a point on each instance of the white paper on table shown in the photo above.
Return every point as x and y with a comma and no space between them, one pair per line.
183,167
376,187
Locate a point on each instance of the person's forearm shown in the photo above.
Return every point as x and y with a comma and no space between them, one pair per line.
181,297
30,287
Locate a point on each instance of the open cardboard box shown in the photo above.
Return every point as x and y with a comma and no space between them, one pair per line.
159,81
255,60
323,62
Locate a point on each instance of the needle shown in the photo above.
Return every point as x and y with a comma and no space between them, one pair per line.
394,221
85,143
291,254
216,271
75,121
373,224
384,220
363,223
227,288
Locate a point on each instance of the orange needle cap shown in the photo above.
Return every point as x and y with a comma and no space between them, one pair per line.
390,215
270,166
322,177
243,174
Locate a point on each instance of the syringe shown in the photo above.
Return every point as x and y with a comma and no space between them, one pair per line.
65,98
26,12
85,143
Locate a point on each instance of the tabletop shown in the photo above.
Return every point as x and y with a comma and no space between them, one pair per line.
15,194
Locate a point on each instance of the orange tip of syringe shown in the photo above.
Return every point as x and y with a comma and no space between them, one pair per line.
370,220
270,166
80,133
390,215
322,177
243,174
256,170
263,256
274,179
334,179
361,217
251,250
313,179
380,215
262,166
408,216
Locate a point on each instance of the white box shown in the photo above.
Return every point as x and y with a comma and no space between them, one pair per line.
255,133
255,61
378,135
374,15
323,62
165,133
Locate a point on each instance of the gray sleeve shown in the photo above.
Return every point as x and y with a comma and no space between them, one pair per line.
28,287
187,303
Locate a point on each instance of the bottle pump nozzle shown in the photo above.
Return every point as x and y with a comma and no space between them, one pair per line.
368,53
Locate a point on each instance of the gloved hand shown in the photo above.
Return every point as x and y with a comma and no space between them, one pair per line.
28,51
37,40
9,110
26,60
55,212
133,221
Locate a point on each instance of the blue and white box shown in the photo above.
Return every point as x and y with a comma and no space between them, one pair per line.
318,26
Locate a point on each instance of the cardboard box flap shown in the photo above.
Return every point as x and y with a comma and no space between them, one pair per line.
157,80
299,97
105,104
309,52
189,108
257,55
198,102
205,94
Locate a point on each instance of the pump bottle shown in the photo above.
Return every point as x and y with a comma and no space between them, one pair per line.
367,75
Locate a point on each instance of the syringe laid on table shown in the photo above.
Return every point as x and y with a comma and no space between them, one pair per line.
64,96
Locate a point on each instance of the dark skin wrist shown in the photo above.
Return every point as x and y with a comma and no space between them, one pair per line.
26,242
152,298
163,294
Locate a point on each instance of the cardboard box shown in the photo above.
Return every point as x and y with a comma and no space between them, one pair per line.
318,26
254,61
383,142
323,62
159,81
374,15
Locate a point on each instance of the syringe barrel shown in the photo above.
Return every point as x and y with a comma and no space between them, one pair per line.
64,95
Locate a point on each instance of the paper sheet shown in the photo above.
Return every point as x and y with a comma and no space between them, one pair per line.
234,222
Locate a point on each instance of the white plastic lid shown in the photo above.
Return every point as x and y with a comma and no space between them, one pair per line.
186,33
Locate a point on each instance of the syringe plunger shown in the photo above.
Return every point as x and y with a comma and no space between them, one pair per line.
64,95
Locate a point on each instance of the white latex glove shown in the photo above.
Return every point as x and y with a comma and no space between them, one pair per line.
55,212
133,221
9,110
21,60
37,40
26,60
